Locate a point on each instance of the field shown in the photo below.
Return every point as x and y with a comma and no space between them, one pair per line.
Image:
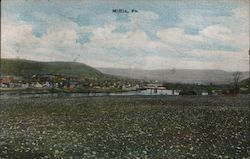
125,127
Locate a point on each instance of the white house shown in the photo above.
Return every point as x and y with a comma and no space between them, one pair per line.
204,93
37,85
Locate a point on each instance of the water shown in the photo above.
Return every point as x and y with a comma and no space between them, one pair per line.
147,92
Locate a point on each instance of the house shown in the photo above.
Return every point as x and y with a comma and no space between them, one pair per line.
161,88
175,92
216,92
5,83
25,85
56,85
137,86
125,87
204,93
72,85
44,77
47,84
60,84
155,86
37,85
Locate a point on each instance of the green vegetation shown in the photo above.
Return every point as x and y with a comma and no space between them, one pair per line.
197,88
244,86
124,127
245,83
26,68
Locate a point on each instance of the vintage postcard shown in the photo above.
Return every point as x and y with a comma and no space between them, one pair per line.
123,79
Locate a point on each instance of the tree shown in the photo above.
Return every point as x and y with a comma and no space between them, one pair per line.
236,79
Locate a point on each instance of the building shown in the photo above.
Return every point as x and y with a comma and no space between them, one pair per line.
204,93
25,85
37,85
5,83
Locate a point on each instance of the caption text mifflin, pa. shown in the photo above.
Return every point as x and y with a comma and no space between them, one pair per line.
124,11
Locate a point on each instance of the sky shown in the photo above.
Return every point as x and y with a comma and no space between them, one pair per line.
181,34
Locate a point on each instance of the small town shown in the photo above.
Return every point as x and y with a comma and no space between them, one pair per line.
52,83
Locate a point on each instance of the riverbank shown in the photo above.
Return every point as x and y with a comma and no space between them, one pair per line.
37,91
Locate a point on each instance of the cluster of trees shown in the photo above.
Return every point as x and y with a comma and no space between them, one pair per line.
236,81
234,88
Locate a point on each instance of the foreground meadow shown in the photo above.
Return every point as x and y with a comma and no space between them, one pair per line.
124,127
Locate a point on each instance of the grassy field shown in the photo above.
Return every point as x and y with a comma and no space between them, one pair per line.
125,127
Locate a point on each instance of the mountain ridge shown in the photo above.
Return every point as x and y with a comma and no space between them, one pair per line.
26,68
176,75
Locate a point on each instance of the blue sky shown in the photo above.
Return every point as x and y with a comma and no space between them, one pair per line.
195,34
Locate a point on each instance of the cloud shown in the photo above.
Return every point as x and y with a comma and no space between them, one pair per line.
177,36
106,38
19,41
212,37
15,36
217,32
143,18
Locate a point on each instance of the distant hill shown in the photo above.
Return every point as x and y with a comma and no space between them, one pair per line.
245,82
176,75
26,68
